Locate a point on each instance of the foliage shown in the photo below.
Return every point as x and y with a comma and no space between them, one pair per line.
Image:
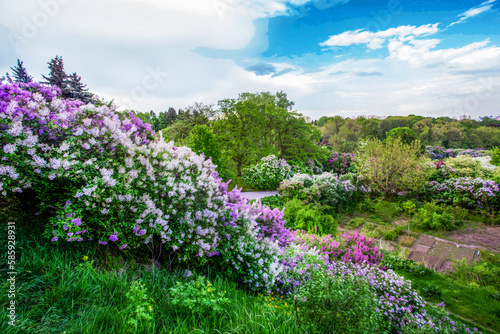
391,168
340,163
434,217
392,233
339,303
465,166
202,141
20,74
495,156
484,272
197,296
407,241
141,304
407,135
380,209
267,174
70,85
312,220
274,129
273,202
464,191
355,223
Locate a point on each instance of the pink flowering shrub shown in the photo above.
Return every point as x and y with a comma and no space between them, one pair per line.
352,247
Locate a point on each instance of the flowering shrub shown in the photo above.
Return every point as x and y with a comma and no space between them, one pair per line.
323,190
272,225
111,182
340,163
464,191
352,247
465,166
440,153
267,174
379,299
439,171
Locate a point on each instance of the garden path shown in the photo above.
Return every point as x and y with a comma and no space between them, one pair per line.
258,194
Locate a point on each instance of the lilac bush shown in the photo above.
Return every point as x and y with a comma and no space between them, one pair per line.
115,184
464,191
440,153
340,163
271,224
326,189
351,247
267,174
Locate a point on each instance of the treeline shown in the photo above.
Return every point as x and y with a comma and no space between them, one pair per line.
345,134
244,129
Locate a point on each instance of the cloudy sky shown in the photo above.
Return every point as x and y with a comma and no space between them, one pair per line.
332,57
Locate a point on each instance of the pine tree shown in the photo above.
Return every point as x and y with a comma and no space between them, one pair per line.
78,90
57,76
20,74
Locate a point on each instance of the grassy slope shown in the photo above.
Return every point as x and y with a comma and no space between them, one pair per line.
59,292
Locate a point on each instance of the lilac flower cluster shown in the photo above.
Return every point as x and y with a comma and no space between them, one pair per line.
267,174
272,225
464,191
352,247
340,163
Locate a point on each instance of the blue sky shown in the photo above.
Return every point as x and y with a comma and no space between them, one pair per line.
332,57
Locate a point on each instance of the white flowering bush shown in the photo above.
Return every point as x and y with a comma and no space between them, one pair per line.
267,174
104,179
326,189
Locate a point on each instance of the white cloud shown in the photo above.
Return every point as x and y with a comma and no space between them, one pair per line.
374,40
485,6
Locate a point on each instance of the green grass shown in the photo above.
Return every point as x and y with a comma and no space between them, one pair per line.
473,303
59,292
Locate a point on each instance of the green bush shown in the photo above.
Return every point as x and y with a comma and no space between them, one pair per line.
433,217
273,202
495,156
393,167
355,223
371,230
313,221
465,166
339,304
393,233
381,209
197,296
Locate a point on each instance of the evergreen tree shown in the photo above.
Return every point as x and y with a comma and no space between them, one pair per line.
57,76
20,74
78,90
